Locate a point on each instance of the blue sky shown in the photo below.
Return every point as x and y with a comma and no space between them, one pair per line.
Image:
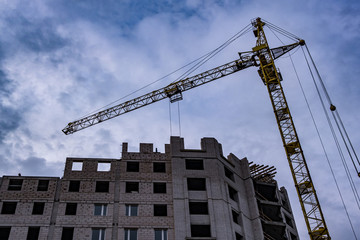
60,60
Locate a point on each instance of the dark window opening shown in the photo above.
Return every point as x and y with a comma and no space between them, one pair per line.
198,208
33,233
160,210
159,187
74,186
236,217
131,210
200,231
67,233
8,208
132,167
102,186
98,234
132,187
130,234
196,184
238,236
100,209
5,233
15,184
159,167
43,185
38,208
229,174
161,234
194,164
233,194
71,209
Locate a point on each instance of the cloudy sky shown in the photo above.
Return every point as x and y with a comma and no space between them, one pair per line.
61,60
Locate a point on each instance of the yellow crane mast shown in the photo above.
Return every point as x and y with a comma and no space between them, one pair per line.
263,57
309,202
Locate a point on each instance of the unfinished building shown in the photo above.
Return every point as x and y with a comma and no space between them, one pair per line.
182,194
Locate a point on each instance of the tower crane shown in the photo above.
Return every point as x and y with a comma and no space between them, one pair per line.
261,56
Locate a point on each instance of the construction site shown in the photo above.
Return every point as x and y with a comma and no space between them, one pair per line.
181,193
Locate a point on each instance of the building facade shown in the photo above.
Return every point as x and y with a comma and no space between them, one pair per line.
182,194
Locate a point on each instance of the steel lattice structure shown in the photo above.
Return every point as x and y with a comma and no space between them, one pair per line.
309,202
263,57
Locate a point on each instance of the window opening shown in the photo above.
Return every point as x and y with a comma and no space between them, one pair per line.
160,210
194,164
67,233
130,234
132,167
160,234
198,208
229,174
77,166
233,194
159,187
98,234
196,184
200,231
103,166
132,187
71,209
43,185
38,208
131,210
5,232
33,233
159,167
74,186
102,186
100,209
236,217
15,184
8,208
238,236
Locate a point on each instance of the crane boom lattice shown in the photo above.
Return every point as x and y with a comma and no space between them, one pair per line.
263,57
271,77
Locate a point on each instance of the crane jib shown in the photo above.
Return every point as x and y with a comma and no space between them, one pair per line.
263,57
174,90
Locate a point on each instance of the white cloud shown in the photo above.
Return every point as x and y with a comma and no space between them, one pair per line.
100,61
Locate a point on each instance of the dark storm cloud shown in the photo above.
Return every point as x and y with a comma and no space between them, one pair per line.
9,121
9,117
39,166
122,13
38,35
30,166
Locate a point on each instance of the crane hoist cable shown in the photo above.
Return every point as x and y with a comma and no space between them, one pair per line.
197,63
319,136
261,56
349,176
351,181
336,116
337,119
214,52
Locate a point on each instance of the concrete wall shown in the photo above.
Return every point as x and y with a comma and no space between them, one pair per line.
178,220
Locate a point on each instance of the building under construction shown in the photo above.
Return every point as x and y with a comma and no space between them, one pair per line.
182,194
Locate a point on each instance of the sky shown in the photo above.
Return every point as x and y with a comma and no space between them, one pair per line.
61,60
